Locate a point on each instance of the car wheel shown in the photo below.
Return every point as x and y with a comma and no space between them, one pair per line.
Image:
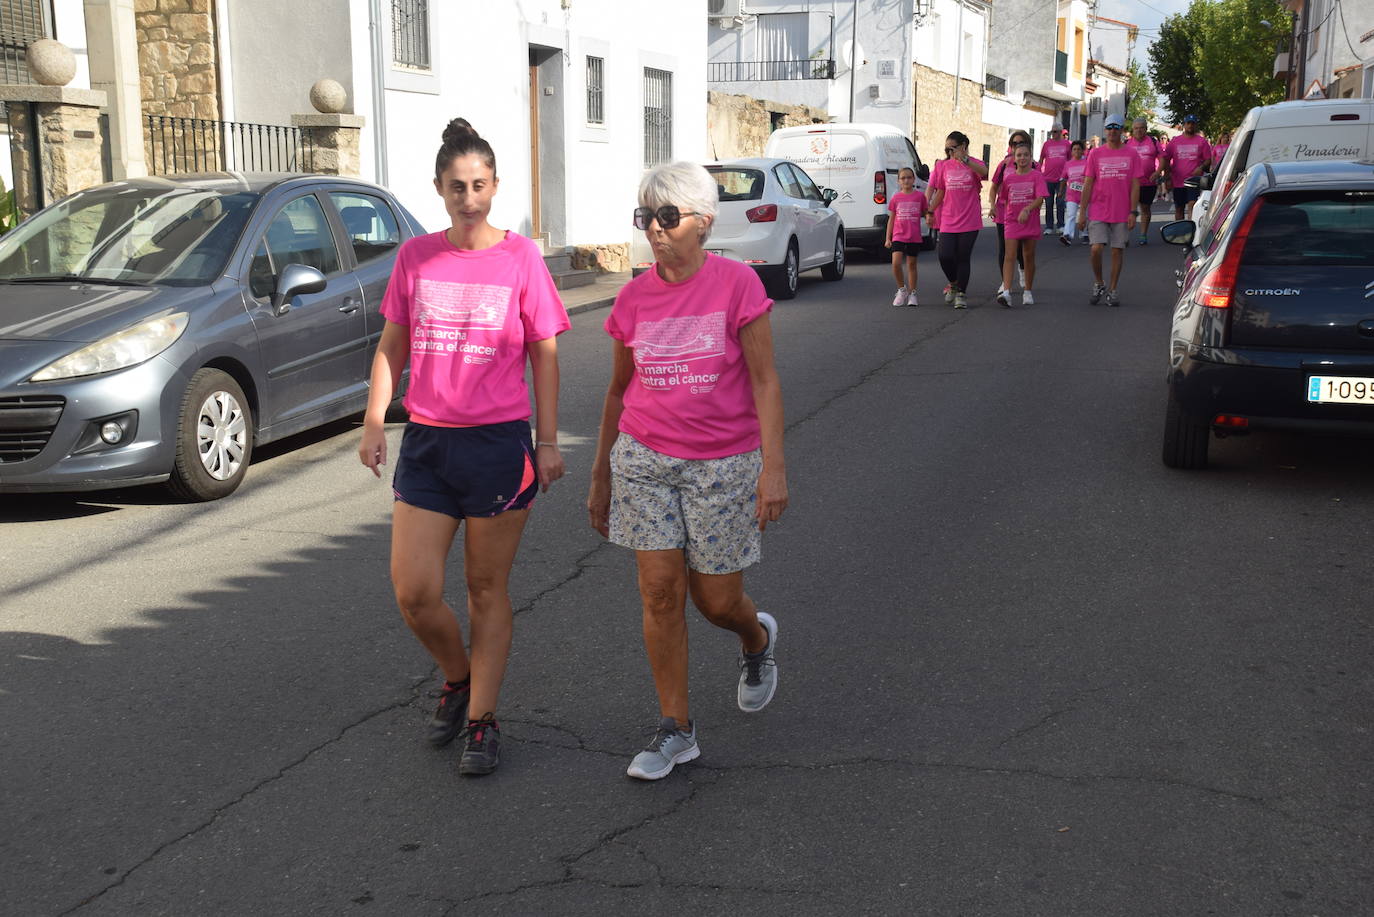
214,438
787,275
835,269
1185,437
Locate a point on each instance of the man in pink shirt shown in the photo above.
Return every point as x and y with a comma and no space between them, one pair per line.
1148,149
1111,202
1053,155
1186,156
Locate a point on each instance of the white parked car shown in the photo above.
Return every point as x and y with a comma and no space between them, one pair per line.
773,217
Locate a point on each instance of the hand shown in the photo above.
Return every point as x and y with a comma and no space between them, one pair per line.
771,497
548,464
1025,215
599,504
372,449
1130,222
1082,220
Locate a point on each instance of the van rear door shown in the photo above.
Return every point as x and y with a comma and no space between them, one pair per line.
835,158
1306,275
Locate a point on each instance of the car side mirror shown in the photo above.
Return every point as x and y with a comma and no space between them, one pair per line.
1179,232
294,280
1205,181
829,195
923,172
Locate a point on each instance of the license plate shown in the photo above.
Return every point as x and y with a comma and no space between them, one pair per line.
715,251
1340,389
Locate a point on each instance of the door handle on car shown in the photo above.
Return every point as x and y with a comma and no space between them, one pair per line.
349,306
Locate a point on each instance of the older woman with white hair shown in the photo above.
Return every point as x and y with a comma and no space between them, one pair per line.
689,464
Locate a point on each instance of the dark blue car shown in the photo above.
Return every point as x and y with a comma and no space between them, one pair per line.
158,329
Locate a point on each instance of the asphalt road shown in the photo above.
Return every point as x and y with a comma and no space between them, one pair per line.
1024,668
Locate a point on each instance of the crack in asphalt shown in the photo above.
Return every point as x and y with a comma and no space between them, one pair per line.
1038,724
581,566
221,810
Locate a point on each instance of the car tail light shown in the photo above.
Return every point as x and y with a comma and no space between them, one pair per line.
880,187
1217,287
1230,422
767,213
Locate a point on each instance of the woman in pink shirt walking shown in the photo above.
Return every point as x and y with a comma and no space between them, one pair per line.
957,181
689,464
464,307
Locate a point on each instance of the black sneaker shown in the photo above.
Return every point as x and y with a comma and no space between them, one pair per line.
449,716
481,747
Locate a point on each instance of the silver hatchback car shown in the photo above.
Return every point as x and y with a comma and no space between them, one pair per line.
157,329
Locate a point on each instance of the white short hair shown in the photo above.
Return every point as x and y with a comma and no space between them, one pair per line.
685,185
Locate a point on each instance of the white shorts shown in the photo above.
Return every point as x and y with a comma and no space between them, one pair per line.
704,506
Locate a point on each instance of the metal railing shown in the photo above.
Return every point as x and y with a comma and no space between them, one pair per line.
760,71
1061,67
658,116
22,22
410,33
176,145
997,85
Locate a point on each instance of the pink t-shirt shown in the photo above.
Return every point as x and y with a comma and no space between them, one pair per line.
1184,154
1016,192
1218,152
1111,171
906,208
692,397
961,207
470,315
1004,168
1073,175
1149,152
1053,155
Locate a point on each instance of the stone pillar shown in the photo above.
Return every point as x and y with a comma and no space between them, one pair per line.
331,142
112,51
66,141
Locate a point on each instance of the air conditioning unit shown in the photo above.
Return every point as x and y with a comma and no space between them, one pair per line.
724,9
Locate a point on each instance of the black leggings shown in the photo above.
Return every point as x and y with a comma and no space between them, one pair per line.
956,250
1002,251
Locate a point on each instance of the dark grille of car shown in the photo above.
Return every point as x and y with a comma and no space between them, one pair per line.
26,423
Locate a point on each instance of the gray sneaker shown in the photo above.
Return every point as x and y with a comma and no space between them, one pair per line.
668,748
758,672
1112,299
1098,290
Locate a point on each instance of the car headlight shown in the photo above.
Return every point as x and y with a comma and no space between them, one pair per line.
118,351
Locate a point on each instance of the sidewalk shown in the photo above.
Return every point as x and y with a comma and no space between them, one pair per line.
598,294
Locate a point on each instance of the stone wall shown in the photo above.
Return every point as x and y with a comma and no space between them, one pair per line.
936,115
739,126
611,259
177,60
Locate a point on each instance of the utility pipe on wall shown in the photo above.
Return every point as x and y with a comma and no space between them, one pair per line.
374,28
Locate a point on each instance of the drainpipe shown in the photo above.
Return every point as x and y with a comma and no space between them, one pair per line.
374,28
853,57
958,55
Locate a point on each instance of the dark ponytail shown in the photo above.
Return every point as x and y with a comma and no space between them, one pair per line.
461,140
959,138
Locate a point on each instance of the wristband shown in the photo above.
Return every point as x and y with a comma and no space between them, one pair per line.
538,443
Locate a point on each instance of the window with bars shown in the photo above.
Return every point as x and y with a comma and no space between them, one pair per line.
410,34
596,111
658,116
22,22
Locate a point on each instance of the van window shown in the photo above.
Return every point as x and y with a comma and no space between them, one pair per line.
895,151
1313,229
844,154
737,184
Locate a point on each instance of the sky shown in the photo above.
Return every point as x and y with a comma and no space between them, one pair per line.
1147,14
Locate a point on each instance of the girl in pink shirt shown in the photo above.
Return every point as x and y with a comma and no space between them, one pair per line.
995,206
1073,193
904,235
1022,192
957,182
689,465
464,307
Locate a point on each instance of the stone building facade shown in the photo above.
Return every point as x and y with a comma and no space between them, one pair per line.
937,115
177,61
738,126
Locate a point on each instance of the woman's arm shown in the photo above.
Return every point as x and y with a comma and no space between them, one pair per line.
756,339
393,350
979,168
934,203
548,461
599,496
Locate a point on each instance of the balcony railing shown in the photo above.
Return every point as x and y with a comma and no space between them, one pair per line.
997,85
760,71
1061,67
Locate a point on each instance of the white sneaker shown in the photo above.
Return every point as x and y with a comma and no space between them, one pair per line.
911,299
1027,298
900,298
1020,277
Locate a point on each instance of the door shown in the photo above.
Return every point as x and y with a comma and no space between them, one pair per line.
804,216
315,354
536,231
373,232
823,220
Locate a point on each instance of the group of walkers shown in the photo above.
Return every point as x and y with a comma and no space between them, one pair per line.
1094,194
688,470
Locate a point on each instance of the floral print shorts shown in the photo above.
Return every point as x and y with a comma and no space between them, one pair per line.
705,506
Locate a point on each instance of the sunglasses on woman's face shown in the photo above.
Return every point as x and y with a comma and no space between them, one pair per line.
668,216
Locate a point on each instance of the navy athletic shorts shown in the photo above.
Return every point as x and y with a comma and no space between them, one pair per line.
1147,193
467,471
911,249
1185,195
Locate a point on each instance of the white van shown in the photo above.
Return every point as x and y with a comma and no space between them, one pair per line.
860,162
1291,132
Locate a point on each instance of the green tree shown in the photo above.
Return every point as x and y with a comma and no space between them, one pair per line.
1141,101
1174,63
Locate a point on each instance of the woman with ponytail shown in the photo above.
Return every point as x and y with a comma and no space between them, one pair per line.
957,181
464,307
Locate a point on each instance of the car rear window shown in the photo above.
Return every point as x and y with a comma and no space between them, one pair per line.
1313,229
738,184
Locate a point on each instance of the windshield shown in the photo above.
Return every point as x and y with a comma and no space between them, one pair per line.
177,236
